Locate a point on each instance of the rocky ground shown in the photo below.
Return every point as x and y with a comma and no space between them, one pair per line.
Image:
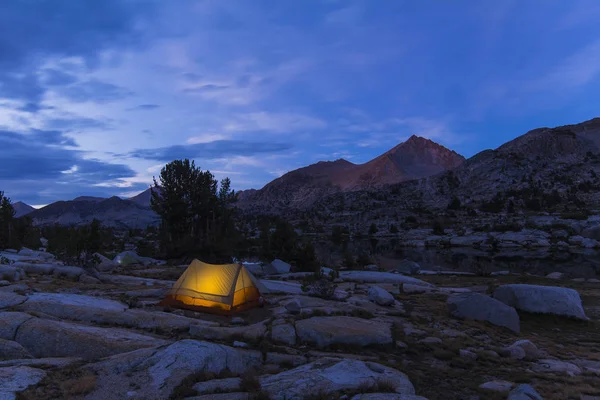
67,332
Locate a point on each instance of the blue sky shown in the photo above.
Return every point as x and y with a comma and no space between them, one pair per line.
95,97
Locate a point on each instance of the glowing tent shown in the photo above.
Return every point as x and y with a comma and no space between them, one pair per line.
224,288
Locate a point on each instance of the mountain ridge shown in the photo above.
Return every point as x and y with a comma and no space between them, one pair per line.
414,158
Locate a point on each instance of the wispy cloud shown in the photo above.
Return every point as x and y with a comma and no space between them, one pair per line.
144,107
207,138
274,122
211,150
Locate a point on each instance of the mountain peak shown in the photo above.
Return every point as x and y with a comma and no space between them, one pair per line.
22,209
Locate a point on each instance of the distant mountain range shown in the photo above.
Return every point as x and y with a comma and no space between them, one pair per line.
416,173
22,209
546,169
415,158
114,212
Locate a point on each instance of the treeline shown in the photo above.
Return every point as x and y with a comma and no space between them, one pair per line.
76,245
16,232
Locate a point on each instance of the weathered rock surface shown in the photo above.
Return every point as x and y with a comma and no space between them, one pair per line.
10,323
407,267
589,366
60,362
497,386
36,269
222,396
70,273
550,365
278,266
250,332
387,396
95,309
17,379
281,359
524,349
105,264
329,375
72,306
46,338
524,392
11,273
10,350
285,333
159,371
218,385
380,296
8,299
542,299
483,308
325,331
382,277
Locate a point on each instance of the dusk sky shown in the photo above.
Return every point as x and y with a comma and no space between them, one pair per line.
96,96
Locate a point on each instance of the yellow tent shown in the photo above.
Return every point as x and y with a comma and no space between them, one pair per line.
224,288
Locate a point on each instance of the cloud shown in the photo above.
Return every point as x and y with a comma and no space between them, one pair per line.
207,138
61,29
144,107
33,108
274,122
56,77
93,90
38,155
51,138
206,88
577,70
76,123
212,150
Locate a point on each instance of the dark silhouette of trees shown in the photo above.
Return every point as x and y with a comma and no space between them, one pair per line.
7,213
195,211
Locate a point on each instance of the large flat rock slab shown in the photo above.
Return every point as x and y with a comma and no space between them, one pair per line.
10,350
98,310
134,280
542,299
9,299
10,322
159,371
327,331
329,375
47,338
480,307
17,379
51,362
380,277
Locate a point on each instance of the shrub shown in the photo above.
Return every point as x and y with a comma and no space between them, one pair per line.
438,229
454,204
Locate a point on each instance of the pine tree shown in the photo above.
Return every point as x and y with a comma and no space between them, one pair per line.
7,213
372,229
196,217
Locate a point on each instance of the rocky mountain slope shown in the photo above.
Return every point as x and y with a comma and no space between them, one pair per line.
415,158
22,209
113,212
544,170
142,199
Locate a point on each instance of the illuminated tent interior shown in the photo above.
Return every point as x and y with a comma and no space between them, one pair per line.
224,288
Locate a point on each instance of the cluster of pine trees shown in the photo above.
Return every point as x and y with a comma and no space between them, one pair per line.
198,220
15,232
196,213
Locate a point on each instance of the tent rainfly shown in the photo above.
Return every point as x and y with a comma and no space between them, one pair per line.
222,289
